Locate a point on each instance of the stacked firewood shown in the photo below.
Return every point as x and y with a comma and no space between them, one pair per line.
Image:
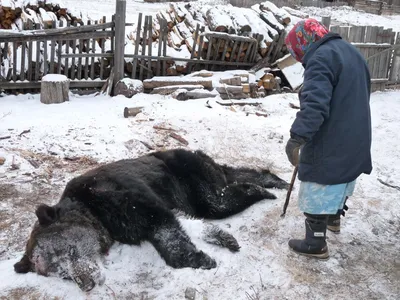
15,14
264,22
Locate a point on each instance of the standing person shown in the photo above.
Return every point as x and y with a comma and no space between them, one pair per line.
332,129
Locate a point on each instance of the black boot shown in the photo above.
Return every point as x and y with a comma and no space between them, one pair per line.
314,245
334,220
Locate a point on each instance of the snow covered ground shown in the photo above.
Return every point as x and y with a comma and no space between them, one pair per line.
66,139
364,259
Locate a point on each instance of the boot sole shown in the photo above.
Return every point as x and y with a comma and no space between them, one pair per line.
334,229
322,256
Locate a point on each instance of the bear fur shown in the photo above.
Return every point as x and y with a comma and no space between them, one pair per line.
135,200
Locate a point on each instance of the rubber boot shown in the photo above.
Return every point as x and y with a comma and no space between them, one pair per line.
314,244
334,220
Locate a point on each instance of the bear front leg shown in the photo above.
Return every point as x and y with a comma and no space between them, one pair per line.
175,247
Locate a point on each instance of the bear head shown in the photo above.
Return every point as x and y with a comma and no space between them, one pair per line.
67,242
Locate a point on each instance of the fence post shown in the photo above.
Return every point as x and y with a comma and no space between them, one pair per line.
120,14
326,21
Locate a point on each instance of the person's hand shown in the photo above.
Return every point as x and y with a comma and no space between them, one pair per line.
293,146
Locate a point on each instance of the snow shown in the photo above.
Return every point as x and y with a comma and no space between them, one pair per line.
95,127
54,77
364,259
346,15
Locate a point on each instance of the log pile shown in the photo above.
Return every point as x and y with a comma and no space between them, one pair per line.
15,14
264,25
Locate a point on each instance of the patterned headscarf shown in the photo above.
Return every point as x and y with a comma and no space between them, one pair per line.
302,36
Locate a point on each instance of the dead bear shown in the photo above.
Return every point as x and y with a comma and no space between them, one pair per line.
135,200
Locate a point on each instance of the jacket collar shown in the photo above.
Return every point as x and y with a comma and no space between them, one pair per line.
329,36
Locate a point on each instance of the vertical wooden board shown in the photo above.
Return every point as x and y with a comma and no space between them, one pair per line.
200,50
383,58
227,44
66,59
150,45
344,32
335,28
196,36
235,45
209,49
353,34
368,34
73,60
45,58
146,22
59,53
395,68
79,75
15,54
52,55
158,64
92,74
87,47
372,51
137,44
216,52
164,63
103,42
239,51
248,51
37,62
30,53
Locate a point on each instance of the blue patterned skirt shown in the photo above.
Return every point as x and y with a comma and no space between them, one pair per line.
318,199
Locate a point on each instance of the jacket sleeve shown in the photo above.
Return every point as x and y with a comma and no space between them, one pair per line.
319,79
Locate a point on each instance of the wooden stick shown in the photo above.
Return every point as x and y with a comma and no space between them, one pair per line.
389,185
179,138
289,192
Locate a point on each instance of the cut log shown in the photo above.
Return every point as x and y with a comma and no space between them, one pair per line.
169,89
54,89
182,94
132,111
295,12
158,81
269,18
128,87
177,12
235,81
219,21
234,96
281,15
239,20
183,30
229,89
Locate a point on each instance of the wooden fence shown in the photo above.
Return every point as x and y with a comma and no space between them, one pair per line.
376,45
79,52
209,56
88,54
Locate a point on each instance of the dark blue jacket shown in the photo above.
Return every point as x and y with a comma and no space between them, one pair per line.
334,116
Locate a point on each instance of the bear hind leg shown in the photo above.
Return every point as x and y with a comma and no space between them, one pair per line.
235,198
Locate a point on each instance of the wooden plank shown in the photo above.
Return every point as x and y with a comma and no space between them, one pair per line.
59,52
235,44
206,62
372,51
79,75
66,59
34,84
45,58
240,50
33,35
158,66
137,44
15,61
353,34
52,55
165,36
103,41
73,60
141,64
92,74
119,62
37,62
216,51
150,42
196,36
30,53
200,50
23,56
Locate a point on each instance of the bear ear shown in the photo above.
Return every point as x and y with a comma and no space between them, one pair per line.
23,266
46,214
